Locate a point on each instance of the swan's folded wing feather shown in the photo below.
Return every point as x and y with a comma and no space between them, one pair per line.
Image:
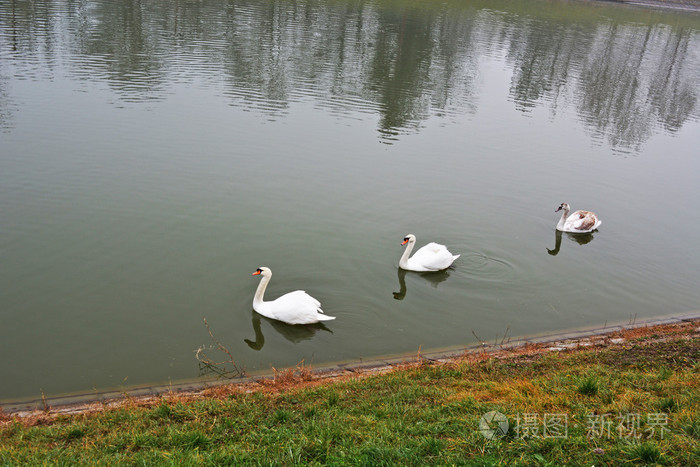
582,221
298,298
586,223
433,257
296,307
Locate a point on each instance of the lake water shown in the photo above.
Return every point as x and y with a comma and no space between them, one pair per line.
154,154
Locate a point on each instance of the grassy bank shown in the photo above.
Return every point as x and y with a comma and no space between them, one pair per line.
629,398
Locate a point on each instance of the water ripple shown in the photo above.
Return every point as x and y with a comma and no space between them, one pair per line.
488,268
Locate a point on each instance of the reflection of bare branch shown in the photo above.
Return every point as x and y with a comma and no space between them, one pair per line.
208,365
43,401
219,344
481,341
505,335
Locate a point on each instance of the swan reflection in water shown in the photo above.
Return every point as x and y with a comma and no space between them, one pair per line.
580,238
434,278
292,332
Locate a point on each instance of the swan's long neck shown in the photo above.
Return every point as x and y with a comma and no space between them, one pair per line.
258,299
403,262
562,221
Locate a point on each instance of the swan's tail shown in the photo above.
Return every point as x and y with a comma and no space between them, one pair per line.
322,317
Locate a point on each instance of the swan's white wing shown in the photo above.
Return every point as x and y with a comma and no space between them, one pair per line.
297,307
299,298
431,257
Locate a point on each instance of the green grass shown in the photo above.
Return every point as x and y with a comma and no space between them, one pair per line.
589,386
632,405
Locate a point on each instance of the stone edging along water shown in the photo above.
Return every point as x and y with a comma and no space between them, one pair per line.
76,403
682,5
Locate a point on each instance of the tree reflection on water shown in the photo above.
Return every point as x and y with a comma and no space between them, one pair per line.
625,72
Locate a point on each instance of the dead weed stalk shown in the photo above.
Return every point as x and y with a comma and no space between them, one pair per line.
225,368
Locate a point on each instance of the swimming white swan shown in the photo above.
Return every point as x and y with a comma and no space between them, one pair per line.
578,222
296,307
431,257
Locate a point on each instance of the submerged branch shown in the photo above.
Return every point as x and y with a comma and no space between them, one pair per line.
207,365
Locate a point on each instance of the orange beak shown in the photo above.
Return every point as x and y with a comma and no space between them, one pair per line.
256,273
404,242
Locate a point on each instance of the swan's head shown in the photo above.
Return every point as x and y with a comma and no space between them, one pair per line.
410,238
563,206
262,270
